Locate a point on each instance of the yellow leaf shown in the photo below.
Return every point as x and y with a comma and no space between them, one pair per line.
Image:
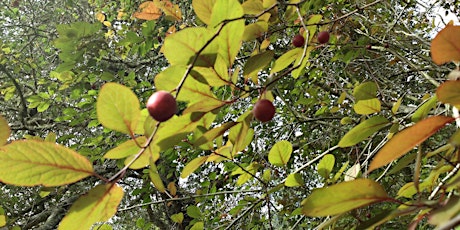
172,11
32,162
407,139
445,47
100,17
98,205
4,130
148,11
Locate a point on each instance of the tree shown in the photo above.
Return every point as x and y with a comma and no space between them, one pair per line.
363,133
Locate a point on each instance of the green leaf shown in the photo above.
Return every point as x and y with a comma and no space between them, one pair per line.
98,205
366,90
155,177
285,60
229,38
212,134
5,131
343,197
189,41
368,106
198,226
448,92
31,163
363,131
130,148
192,166
203,9
280,153
118,108
326,165
424,109
407,139
2,217
294,180
178,217
194,212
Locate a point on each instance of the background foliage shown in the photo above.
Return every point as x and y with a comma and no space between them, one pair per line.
363,134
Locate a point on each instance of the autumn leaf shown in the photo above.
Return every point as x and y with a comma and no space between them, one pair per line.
31,163
445,46
98,205
343,197
148,11
407,139
449,93
5,130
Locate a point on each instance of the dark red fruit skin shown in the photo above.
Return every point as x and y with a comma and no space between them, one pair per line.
161,106
264,110
298,40
323,37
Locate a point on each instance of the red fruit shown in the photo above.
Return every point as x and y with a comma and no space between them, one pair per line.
264,110
298,40
161,106
323,37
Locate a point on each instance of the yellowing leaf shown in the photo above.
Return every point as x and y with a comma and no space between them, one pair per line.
229,38
343,197
424,109
396,105
366,90
189,41
172,11
31,163
148,11
203,9
280,153
178,217
285,60
5,131
155,177
363,131
368,106
445,47
212,134
254,30
118,108
100,16
325,165
407,139
192,166
294,180
449,92
98,205
257,62
253,7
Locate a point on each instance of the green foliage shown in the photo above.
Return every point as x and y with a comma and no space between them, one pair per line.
73,84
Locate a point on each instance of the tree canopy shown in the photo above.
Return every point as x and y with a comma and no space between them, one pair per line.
364,134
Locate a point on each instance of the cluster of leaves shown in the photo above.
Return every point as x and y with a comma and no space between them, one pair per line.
221,58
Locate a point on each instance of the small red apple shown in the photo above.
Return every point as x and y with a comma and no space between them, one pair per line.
323,37
263,110
161,106
298,40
